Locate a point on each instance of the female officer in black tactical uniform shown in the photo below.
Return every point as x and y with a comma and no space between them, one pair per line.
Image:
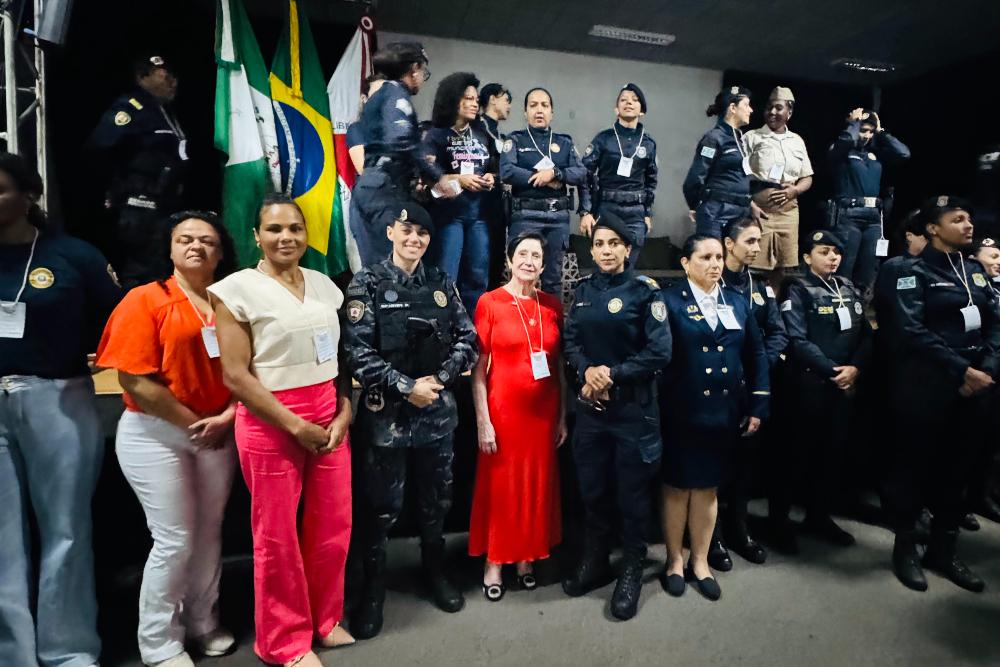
717,187
949,330
616,341
829,346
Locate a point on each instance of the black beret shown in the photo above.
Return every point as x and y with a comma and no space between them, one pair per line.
823,237
411,213
611,221
638,93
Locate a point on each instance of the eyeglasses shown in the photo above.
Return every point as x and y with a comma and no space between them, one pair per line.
427,72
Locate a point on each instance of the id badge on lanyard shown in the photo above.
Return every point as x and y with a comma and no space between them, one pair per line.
539,365
973,320
12,318
211,341
624,167
844,314
323,341
545,163
727,317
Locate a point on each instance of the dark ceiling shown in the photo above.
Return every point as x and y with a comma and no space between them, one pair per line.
795,38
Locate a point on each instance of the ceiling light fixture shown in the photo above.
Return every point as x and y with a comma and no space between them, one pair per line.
859,65
629,35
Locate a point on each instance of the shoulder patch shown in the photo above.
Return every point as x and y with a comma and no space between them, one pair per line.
909,282
122,118
707,151
659,310
786,305
355,311
649,282
136,103
404,106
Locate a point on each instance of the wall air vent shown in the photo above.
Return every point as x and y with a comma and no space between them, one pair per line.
859,65
629,35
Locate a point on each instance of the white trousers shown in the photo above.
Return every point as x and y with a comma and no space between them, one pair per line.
183,492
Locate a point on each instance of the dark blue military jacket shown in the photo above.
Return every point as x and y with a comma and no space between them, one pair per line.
522,151
764,307
602,156
718,164
857,171
391,133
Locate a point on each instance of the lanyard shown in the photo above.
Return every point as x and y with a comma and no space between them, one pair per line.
739,143
541,331
618,139
486,126
27,268
964,279
836,293
749,294
197,312
175,127
549,142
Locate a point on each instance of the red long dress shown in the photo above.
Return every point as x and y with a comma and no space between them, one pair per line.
516,513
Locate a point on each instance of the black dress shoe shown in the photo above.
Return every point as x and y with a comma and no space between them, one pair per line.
748,549
988,509
708,587
941,558
673,584
970,522
825,528
718,557
906,562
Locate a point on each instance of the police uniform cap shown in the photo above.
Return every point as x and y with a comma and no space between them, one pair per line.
782,93
611,221
638,93
933,208
492,90
985,242
147,61
411,213
823,237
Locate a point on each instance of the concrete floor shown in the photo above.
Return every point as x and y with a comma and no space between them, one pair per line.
823,607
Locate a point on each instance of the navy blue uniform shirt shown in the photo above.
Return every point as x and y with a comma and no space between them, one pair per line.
718,164
764,308
526,147
70,293
355,135
389,127
601,160
857,172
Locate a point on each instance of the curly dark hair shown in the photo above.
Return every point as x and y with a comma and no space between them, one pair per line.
28,182
448,96
227,264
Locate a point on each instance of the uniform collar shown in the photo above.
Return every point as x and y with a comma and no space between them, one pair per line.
766,131
401,276
605,280
733,278
700,295
627,130
493,125
818,282
935,257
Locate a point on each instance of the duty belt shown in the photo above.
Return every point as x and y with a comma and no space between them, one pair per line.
550,205
624,196
727,197
858,202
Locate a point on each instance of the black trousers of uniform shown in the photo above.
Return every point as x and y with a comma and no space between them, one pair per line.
809,454
736,492
932,459
384,475
140,251
615,465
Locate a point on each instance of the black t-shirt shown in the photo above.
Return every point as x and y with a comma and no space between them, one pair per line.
70,293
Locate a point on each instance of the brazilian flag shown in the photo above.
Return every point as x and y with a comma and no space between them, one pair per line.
305,142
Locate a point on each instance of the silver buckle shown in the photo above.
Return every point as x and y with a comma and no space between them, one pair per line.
552,205
870,202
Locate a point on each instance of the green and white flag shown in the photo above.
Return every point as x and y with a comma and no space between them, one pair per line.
244,125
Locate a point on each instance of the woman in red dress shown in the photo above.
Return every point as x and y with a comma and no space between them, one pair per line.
517,388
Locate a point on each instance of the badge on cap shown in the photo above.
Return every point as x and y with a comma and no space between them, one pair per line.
156,61
122,118
735,90
402,215
942,200
554,147
440,298
817,236
42,278
659,310
355,311
614,305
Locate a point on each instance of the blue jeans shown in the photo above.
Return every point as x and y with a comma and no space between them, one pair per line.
554,228
634,217
462,250
711,215
859,229
50,456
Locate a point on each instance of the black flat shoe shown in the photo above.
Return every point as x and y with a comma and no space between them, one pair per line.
526,581
673,584
494,592
708,587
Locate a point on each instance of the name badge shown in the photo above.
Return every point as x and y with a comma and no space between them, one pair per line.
624,167
776,172
746,166
545,163
211,342
182,149
324,345
973,321
844,314
539,366
12,316
727,317
467,168
882,248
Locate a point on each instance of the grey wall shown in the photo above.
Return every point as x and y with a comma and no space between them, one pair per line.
584,90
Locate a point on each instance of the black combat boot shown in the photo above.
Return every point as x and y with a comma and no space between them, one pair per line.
941,558
625,600
446,596
592,572
366,621
906,561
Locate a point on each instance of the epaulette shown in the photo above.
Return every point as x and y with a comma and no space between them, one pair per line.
650,283
136,103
